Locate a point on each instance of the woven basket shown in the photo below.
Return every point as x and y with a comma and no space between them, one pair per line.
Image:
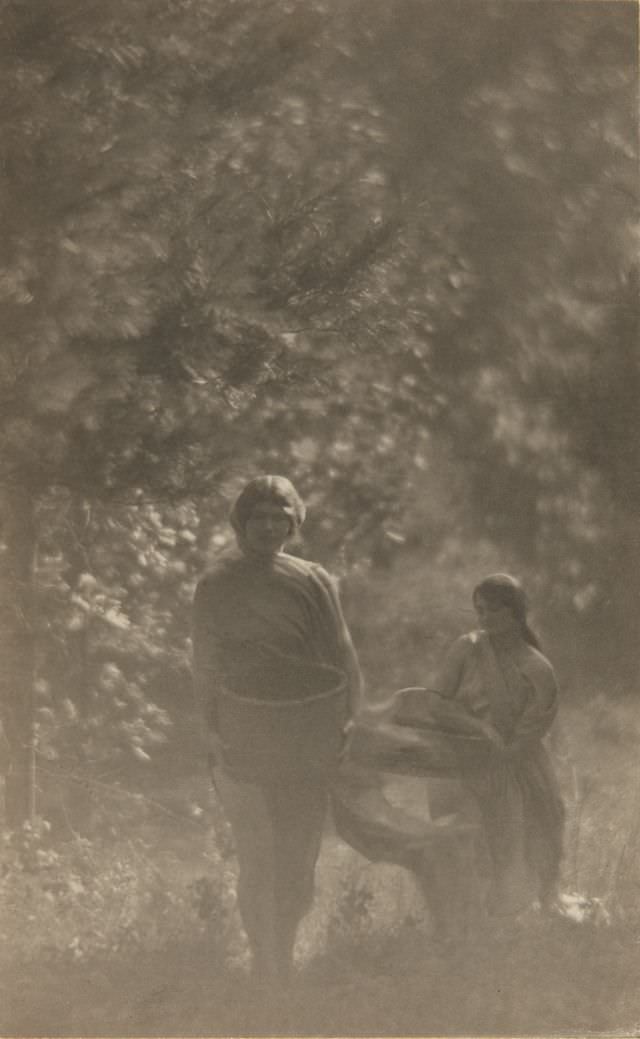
274,736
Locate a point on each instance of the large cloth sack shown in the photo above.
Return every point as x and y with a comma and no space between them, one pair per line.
283,722
410,734
415,733
385,831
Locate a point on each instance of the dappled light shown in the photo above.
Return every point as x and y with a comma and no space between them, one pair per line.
388,250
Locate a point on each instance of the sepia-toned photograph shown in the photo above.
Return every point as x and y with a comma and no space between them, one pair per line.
319,519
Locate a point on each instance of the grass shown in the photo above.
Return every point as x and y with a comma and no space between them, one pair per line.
135,932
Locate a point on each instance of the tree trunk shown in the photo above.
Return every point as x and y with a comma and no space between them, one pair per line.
17,635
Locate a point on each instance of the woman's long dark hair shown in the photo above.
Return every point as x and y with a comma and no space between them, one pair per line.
505,590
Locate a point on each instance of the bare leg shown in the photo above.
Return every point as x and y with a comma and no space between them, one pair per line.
298,812
247,810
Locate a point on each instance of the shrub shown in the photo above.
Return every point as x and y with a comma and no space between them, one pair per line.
85,898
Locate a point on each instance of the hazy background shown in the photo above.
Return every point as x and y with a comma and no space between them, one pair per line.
388,249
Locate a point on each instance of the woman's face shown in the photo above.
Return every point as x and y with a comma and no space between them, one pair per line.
494,617
267,529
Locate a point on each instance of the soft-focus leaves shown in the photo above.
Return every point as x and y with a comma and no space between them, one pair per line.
388,249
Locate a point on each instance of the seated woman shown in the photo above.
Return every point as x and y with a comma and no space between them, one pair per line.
507,689
278,680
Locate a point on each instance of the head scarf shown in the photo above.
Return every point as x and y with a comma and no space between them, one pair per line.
505,590
275,489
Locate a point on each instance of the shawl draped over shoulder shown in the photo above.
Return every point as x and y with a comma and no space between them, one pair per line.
434,733
247,614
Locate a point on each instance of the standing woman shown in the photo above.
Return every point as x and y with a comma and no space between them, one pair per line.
278,680
507,689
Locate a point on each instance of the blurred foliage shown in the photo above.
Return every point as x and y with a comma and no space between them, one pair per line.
389,250
80,900
118,928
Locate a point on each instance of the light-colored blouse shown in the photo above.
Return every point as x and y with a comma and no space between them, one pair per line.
516,692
